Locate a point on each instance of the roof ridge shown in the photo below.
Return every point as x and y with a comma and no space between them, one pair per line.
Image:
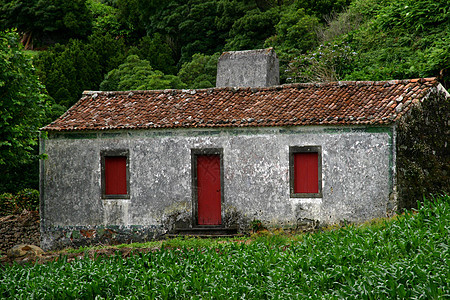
275,87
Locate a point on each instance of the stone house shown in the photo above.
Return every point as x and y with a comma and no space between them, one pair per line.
134,165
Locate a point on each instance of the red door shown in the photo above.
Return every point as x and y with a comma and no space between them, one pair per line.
208,190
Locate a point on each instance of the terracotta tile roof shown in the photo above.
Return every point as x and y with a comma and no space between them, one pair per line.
337,103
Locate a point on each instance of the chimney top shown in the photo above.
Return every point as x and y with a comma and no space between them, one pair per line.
249,68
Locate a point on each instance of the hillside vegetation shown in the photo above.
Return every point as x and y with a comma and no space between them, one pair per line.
405,257
139,44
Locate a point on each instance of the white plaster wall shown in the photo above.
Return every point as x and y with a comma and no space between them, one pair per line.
357,178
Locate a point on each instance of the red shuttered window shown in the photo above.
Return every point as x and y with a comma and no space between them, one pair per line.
305,171
115,175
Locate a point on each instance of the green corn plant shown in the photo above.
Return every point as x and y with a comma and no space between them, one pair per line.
407,257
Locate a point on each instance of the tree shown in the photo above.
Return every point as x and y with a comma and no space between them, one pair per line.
250,31
295,32
68,70
130,16
191,26
46,19
109,49
157,52
322,8
105,18
137,74
200,72
24,108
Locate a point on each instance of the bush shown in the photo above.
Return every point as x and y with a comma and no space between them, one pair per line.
11,204
28,199
329,62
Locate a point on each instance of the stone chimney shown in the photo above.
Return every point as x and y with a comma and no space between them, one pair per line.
250,68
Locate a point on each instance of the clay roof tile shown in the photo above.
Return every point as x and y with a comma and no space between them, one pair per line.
336,103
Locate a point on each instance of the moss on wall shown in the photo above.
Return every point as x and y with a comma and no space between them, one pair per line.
423,151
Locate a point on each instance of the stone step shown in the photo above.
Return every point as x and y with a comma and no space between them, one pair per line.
205,231
204,236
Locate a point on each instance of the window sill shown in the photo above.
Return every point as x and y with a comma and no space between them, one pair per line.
115,197
306,195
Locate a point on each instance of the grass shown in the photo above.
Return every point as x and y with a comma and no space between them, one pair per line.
406,257
178,242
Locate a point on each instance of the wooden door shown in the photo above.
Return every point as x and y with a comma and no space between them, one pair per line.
208,190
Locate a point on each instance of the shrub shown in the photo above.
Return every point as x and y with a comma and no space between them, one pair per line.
257,225
14,203
28,199
329,62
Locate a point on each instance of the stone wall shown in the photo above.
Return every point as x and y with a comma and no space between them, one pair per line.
19,229
56,237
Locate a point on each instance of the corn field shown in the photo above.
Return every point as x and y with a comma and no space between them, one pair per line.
406,257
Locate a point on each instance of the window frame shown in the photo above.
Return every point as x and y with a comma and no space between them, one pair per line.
115,152
304,149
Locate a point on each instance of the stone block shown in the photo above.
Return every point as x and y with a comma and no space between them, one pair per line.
250,68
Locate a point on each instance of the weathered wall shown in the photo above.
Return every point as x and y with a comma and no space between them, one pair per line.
357,179
249,68
423,150
19,229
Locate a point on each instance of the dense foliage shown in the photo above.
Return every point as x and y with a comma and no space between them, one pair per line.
138,74
69,69
388,40
403,258
316,40
46,21
24,107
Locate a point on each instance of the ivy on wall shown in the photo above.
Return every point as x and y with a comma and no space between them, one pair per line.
423,151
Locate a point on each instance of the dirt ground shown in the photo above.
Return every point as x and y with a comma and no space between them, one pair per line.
67,254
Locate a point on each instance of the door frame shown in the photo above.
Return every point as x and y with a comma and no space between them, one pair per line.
194,154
